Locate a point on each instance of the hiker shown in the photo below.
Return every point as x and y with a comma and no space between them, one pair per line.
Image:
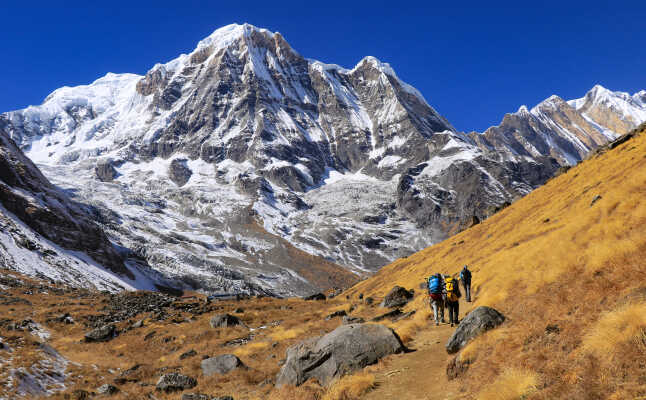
465,277
436,297
452,286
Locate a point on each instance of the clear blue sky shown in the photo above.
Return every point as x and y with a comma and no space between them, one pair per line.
473,61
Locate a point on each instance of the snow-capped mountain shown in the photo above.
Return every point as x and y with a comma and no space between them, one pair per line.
243,161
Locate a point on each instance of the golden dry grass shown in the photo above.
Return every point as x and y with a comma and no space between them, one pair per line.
350,387
625,325
512,384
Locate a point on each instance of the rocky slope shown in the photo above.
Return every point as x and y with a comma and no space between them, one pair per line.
243,161
42,228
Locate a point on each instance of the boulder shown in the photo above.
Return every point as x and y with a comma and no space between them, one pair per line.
222,364
107,389
344,350
397,297
475,323
102,334
174,382
225,321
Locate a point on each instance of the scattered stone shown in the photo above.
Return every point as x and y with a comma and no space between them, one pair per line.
552,328
138,324
344,350
149,335
397,297
107,389
475,323
63,318
174,382
238,310
347,320
403,316
340,313
190,353
360,296
595,199
102,334
127,376
199,396
221,364
390,314
80,394
225,321
369,300
315,296
196,396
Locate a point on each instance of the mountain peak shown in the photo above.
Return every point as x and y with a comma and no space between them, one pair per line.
224,36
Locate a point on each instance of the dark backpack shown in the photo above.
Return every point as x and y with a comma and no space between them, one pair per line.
465,275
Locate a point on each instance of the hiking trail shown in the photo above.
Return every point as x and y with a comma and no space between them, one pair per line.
421,374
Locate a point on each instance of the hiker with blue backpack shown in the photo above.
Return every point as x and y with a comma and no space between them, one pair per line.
465,277
436,297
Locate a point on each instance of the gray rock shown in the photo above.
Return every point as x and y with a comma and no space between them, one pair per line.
344,350
138,324
595,199
174,382
196,396
225,320
200,396
340,313
475,323
102,334
397,297
221,364
190,353
105,171
390,314
107,389
403,316
347,320
178,172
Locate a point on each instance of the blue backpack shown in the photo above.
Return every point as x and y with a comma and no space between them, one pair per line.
434,285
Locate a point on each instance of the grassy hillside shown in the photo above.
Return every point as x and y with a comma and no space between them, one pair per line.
567,266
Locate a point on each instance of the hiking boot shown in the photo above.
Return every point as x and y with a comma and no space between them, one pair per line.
451,324
443,321
437,323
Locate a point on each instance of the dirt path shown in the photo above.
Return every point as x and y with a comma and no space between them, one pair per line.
420,375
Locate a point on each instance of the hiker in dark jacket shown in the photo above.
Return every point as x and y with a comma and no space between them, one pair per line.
452,285
436,297
465,277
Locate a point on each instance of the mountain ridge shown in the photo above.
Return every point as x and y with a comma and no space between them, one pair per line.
352,166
